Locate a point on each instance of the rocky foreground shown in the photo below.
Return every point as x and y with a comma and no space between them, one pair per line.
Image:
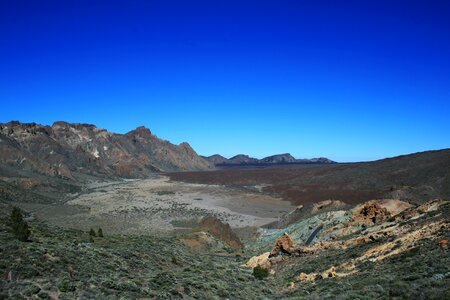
377,250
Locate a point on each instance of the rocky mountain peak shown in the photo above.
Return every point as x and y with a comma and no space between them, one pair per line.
186,147
20,130
142,132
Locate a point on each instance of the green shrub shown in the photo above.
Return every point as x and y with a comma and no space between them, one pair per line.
92,232
19,225
66,285
260,272
100,232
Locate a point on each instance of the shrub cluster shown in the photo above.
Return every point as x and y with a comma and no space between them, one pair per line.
19,225
99,233
260,272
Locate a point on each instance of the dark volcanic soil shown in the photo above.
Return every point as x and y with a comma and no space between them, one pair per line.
291,183
417,177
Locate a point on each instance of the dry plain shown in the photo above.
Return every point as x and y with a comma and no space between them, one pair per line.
159,205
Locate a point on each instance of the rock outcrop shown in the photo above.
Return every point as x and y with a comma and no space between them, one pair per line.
259,260
371,213
305,211
221,231
284,245
372,232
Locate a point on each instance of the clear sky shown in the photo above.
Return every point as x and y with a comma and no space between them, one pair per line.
349,80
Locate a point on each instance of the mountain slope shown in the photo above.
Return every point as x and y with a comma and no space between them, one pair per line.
375,250
396,255
64,149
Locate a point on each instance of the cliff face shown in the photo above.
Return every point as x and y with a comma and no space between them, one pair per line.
63,149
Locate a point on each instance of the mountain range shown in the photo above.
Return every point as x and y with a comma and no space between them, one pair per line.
278,159
65,149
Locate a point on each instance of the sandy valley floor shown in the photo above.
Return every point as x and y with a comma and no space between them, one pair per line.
160,205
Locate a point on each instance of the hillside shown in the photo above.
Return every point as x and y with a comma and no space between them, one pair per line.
378,250
65,150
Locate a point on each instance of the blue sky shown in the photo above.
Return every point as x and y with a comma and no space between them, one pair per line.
349,80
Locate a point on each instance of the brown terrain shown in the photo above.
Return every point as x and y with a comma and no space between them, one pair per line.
415,177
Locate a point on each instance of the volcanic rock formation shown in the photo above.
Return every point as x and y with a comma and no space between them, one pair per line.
284,244
64,149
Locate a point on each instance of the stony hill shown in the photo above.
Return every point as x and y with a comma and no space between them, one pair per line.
65,149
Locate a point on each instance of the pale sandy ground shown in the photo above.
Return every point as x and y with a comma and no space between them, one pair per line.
160,205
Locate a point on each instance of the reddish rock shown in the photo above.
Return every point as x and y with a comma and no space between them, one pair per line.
141,134
221,231
372,213
284,244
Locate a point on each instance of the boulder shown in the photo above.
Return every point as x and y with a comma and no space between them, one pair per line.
330,273
261,260
306,277
284,244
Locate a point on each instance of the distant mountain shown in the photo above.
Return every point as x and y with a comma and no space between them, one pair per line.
321,160
243,159
64,149
278,159
216,159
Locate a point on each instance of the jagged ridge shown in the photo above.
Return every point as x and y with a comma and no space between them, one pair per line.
64,149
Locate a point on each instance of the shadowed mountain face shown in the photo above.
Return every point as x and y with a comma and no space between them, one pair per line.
278,159
64,149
